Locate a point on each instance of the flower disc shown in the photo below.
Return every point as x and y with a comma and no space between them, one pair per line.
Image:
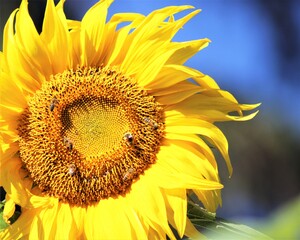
87,134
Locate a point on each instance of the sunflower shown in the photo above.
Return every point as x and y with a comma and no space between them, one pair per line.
104,131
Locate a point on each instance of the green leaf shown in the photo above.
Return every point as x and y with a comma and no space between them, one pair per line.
3,224
218,228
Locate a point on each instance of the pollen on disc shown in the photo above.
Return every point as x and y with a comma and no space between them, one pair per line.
94,125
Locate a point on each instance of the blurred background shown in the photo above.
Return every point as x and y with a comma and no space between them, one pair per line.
254,54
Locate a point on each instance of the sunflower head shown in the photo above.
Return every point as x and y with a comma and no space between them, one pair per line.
102,131
101,120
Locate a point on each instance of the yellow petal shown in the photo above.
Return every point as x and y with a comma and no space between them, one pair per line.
41,201
187,50
135,222
92,32
148,42
48,221
3,66
7,152
9,136
116,220
13,183
154,214
213,105
206,129
155,54
177,97
167,173
178,87
192,232
11,95
210,199
118,52
155,235
171,74
55,37
78,214
189,160
75,56
144,32
176,202
21,228
17,65
206,81
30,44
9,209
36,229
64,223
114,39
198,143
10,115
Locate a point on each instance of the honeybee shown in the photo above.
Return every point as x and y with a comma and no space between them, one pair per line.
129,174
53,104
128,137
72,169
68,143
151,122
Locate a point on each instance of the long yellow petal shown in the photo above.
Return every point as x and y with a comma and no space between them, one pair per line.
145,31
144,43
192,232
117,52
114,223
47,221
176,202
64,223
11,95
156,56
154,214
75,56
92,32
55,37
9,208
135,221
78,214
198,143
206,129
187,51
13,183
8,124
3,66
213,105
17,65
178,87
170,176
177,97
190,160
30,43
21,228
171,74
210,199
